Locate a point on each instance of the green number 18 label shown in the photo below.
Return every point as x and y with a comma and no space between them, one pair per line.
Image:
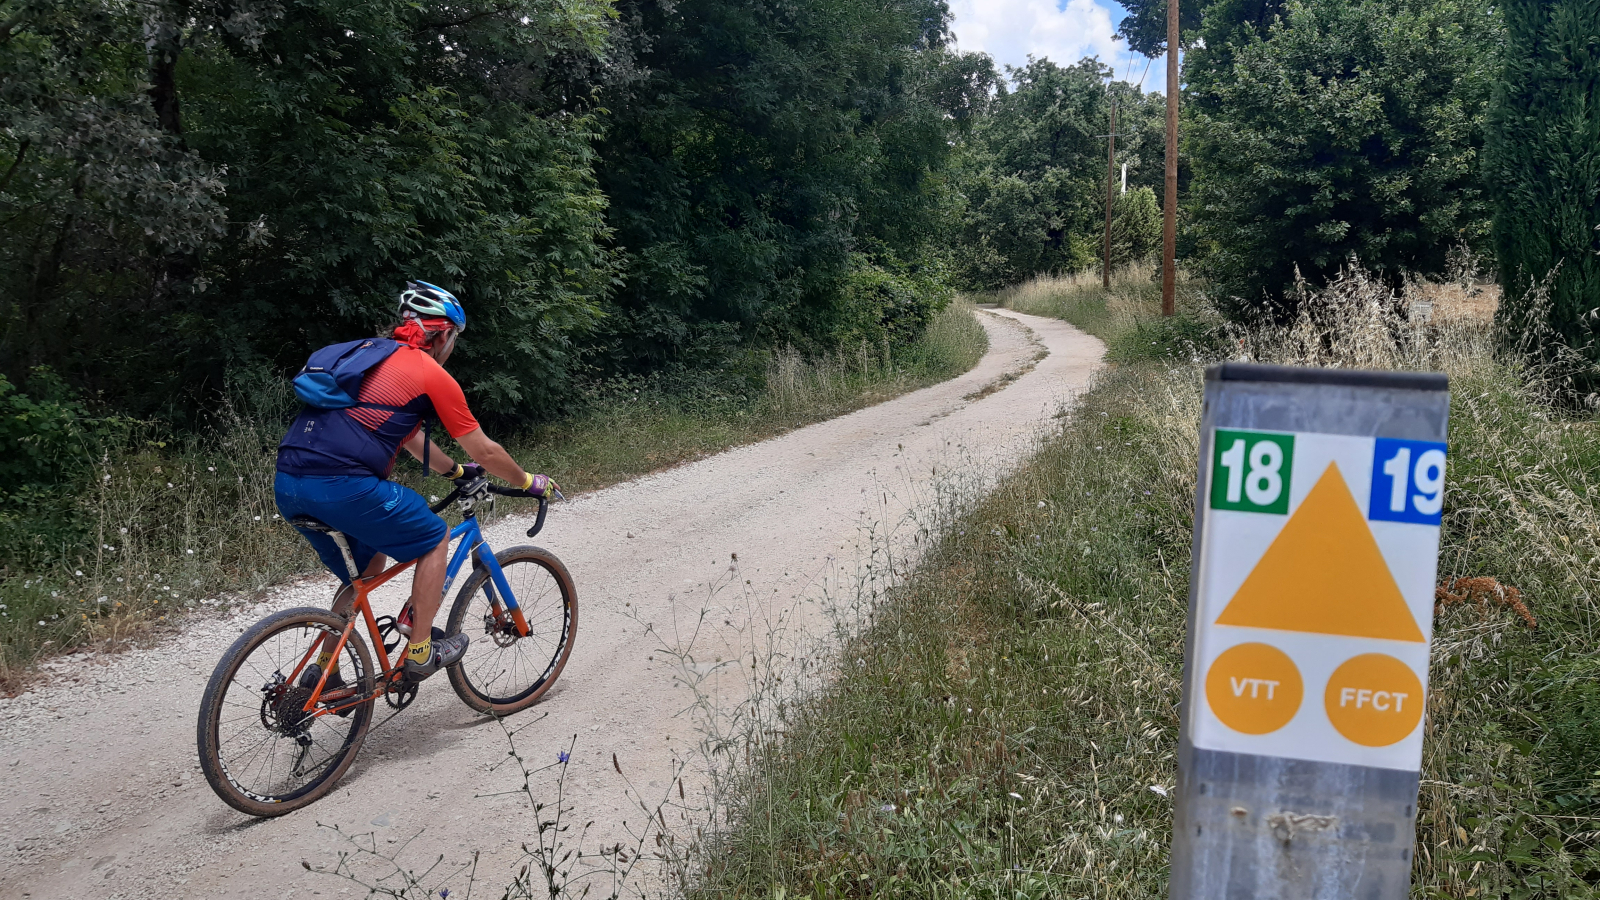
1250,471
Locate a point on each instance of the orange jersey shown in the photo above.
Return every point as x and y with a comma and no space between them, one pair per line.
406,377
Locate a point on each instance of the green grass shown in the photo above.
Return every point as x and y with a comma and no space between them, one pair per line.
1010,722
168,526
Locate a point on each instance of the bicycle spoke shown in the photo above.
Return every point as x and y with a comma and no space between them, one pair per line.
501,667
270,746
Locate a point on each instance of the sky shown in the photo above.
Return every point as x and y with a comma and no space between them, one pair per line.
1064,31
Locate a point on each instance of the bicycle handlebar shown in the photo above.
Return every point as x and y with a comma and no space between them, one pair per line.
538,523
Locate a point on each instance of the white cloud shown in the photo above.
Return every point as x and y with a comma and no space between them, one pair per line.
1011,30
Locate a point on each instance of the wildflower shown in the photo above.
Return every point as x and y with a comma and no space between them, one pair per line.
190,552
41,622
105,478
1156,788
258,518
101,600
123,530
887,807
444,894
561,756
1014,795
1041,504
211,468
169,484
78,572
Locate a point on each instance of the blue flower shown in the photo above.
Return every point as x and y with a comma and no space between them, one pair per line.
561,756
444,894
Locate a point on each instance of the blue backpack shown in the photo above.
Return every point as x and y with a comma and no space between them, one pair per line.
331,378
337,444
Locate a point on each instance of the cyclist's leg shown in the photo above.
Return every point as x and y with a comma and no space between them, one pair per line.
427,588
325,499
346,597
392,520
317,497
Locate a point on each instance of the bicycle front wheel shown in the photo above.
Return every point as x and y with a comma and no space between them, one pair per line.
504,672
262,752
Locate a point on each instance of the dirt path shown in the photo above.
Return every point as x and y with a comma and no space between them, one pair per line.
102,794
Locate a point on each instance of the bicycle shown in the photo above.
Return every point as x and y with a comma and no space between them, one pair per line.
270,745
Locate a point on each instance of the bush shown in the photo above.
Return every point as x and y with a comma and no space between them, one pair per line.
1542,159
1338,129
880,305
53,439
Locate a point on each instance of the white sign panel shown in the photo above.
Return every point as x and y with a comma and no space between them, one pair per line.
1315,599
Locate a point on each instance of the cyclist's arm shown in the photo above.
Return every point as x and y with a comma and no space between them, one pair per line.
438,460
492,456
451,405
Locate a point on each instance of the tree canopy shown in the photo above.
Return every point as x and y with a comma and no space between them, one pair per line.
193,191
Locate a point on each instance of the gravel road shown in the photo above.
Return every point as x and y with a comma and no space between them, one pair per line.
103,795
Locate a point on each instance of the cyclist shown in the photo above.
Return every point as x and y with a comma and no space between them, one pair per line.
334,466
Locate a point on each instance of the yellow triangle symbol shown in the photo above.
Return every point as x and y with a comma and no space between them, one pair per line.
1324,574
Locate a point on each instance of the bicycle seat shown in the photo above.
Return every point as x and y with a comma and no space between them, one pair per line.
310,524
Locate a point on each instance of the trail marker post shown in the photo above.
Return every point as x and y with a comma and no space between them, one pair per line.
1316,544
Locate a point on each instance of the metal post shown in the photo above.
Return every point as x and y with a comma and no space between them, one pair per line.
1317,511
1169,224
1111,180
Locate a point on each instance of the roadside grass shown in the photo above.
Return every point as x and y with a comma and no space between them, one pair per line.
172,526
1008,721
1128,316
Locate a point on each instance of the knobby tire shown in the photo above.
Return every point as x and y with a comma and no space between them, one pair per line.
500,675
232,747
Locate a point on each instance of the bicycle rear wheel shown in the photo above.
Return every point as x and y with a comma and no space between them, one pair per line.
261,752
503,672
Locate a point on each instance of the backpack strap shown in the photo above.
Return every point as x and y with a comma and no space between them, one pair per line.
427,445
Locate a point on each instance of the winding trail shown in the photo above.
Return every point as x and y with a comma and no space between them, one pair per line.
103,797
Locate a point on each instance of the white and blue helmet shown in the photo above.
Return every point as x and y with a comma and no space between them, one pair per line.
426,301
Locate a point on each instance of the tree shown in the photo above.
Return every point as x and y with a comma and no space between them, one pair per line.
1338,130
94,194
203,185
760,153
1145,26
1032,173
1542,162
1135,227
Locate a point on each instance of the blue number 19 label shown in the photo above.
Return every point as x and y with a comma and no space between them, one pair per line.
1407,481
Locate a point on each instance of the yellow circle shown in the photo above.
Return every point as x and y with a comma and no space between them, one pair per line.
1254,688
1374,700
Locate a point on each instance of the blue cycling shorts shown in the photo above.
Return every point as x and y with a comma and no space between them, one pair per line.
376,516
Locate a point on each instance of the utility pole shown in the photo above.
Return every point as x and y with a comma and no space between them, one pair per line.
1169,224
1111,181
